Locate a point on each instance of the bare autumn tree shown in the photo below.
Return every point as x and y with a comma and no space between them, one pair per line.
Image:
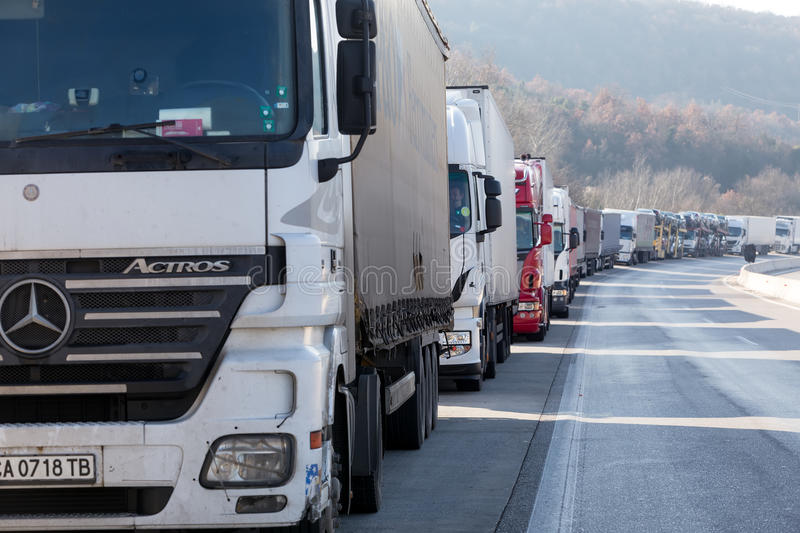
772,192
678,189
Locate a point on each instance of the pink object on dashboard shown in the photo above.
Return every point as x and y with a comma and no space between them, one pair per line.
190,127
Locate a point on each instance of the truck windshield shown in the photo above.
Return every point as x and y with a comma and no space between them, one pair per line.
216,69
690,235
525,233
626,232
460,211
733,231
558,238
782,232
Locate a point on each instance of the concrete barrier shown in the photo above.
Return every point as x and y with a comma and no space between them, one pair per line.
756,277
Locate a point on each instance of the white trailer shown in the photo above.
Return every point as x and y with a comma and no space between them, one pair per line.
483,249
760,232
611,243
580,226
564,253
233,321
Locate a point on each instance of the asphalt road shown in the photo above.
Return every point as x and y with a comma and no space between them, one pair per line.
462,478
667,402
679,410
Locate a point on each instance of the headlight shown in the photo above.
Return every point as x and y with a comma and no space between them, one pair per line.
248,461
559,292
529,306
450,338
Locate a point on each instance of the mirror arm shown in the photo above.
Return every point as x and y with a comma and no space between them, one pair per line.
327,168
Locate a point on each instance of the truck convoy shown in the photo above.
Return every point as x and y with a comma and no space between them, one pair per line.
483,245
536,262
212,316
744,230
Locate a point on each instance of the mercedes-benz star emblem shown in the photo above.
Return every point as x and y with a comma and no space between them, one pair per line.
34,316
30,192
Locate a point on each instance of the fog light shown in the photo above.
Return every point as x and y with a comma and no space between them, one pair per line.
260,504
523,315
248,461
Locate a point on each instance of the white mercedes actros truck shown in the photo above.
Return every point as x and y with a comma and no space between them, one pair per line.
218,291
483,238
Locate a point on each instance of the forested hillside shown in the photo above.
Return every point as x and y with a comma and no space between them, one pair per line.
617,151
661,50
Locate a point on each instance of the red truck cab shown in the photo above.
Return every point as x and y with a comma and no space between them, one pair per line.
533,232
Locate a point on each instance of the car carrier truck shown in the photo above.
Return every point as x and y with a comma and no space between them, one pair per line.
218,291
483,243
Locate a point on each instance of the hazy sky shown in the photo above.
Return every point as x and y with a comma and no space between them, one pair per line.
780,7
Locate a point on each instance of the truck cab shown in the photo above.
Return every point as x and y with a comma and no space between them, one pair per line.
534,248
565,243
783,235
483,238
194,200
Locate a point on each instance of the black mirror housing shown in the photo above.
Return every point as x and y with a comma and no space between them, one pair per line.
350,19
494,214
491,186
352,87
574,238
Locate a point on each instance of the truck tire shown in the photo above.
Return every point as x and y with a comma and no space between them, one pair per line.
435,385
406,426
502,351
426,355
489,343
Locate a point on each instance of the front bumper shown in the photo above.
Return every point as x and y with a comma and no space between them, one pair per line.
530,315
252,390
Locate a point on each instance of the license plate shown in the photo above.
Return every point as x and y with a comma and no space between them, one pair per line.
47,469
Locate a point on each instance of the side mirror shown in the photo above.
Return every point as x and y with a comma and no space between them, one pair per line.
574,238
494,214
350,17
491,186
354,86
546,235
356,77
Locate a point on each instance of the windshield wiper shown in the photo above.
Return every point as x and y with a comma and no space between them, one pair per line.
117,128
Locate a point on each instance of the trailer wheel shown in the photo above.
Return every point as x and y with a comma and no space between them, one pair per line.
406,426
426,355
